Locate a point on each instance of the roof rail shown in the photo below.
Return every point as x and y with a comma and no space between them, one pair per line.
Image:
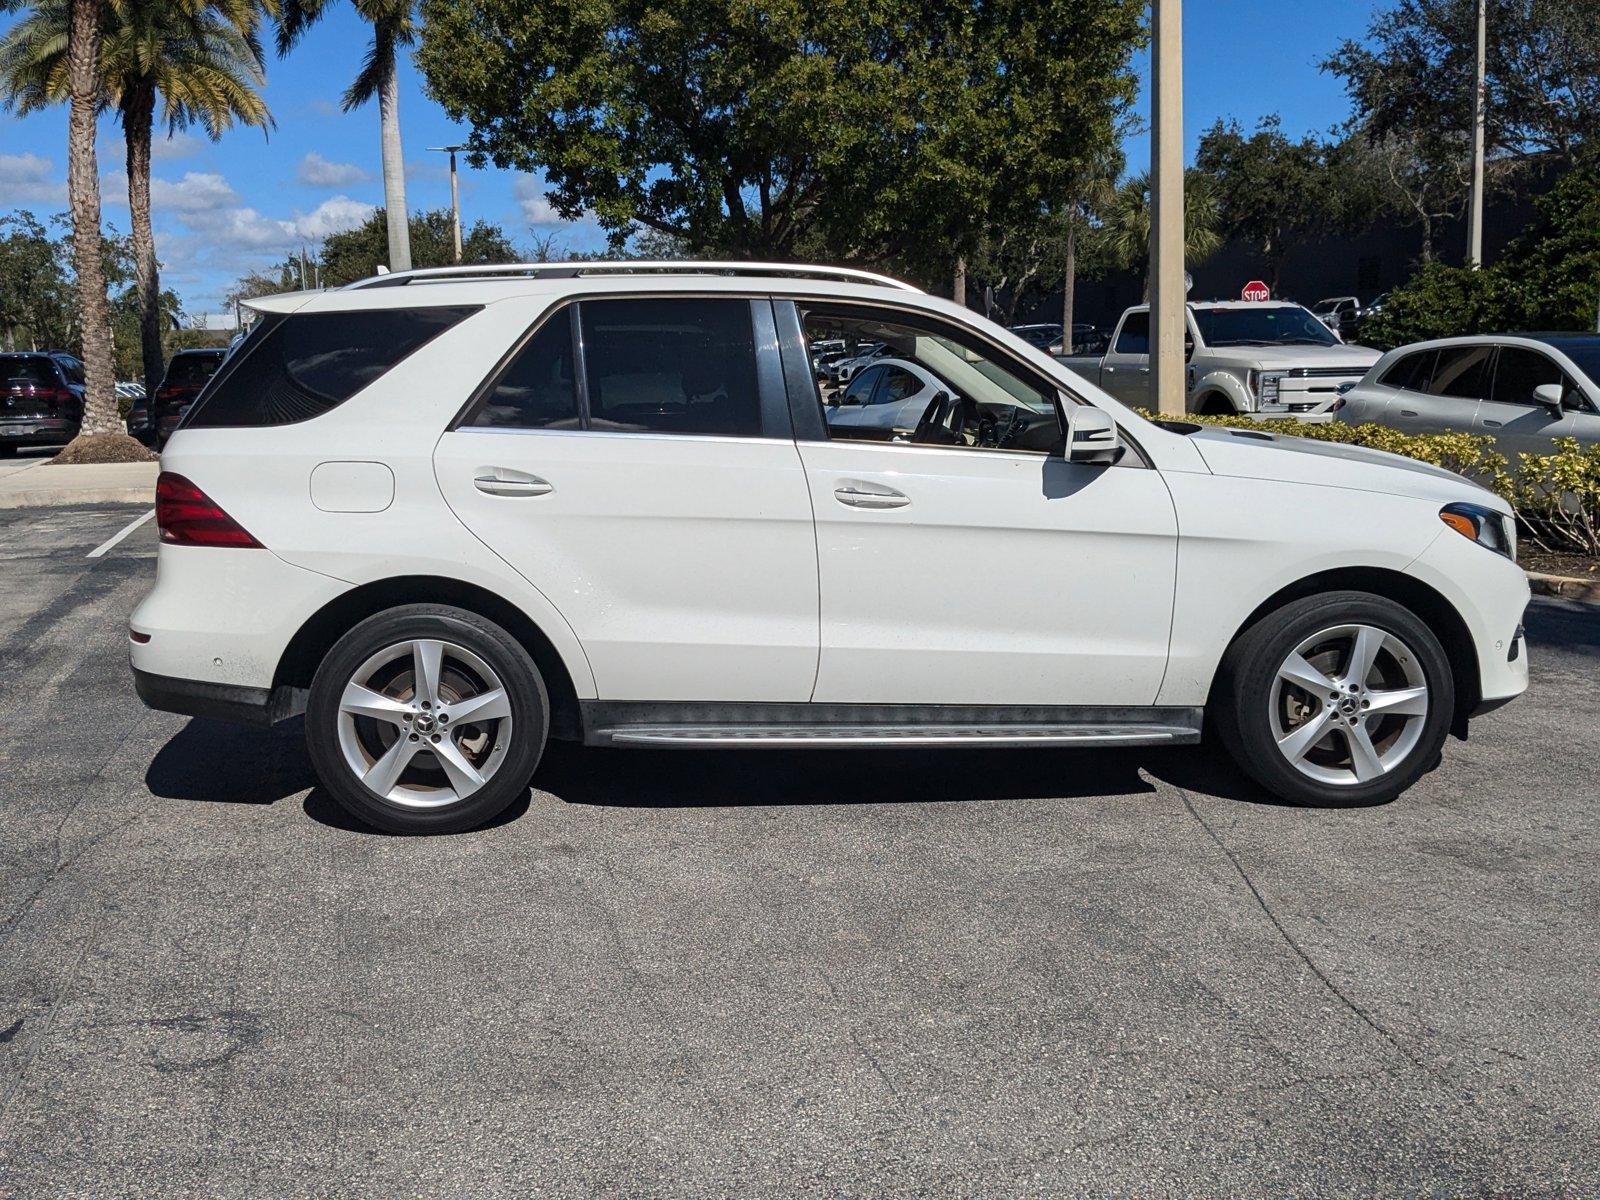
573,270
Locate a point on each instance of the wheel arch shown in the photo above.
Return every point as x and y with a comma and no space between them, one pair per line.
291,682
1215,402
1406,590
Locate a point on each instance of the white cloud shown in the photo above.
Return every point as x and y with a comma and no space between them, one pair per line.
196,192
29,179
316,171
536,209
175,145
334,215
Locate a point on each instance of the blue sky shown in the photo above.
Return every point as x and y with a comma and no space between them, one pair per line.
224,208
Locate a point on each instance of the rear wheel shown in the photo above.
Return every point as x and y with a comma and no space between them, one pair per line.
1344,698
426,719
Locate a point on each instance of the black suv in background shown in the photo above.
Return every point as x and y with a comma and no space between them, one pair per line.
41,399
152,421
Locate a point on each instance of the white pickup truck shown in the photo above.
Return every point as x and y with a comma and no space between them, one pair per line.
1267,359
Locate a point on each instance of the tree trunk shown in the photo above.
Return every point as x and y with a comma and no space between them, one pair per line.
138,115
959,287
1069,288
394,173
83,191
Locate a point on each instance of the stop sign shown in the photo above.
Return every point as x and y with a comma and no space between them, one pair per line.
1256,290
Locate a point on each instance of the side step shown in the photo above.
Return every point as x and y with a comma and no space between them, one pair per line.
835,726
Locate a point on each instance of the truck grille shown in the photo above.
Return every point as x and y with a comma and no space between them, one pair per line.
1327,373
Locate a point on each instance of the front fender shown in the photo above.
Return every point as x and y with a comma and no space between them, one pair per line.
1227,382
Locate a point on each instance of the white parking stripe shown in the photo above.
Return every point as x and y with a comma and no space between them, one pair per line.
120,534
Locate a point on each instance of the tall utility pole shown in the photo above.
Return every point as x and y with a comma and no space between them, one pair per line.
1479,105
1167,293
455,195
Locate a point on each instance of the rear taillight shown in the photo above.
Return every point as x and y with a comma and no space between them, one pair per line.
187,516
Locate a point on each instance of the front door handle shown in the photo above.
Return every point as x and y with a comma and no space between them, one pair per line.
1406,412
873,497
1493,424
502,482
1144,370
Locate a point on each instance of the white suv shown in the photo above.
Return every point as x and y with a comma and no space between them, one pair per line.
449,514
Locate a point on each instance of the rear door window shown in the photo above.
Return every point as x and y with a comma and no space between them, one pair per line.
1462,372
678,365
300,366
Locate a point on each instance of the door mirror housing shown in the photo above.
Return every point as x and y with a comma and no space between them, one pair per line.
1549,395
1091,436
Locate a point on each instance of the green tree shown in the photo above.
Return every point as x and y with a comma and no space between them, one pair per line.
393,29
199,59
829,129
1413,76
1123,236
1271,190
35,285
1548,279
355,254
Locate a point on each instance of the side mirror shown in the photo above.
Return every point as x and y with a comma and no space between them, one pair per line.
1549,395
1091,436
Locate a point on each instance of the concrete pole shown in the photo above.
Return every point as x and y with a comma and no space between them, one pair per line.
1479,105
1167,297
455,206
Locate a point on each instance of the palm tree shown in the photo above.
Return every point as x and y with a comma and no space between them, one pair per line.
393,27
1125,231
199,58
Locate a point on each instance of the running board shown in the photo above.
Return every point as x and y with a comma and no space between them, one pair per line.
849,726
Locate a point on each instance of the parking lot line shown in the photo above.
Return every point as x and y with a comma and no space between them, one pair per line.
111,541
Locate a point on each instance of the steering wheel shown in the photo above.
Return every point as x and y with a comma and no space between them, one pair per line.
933,428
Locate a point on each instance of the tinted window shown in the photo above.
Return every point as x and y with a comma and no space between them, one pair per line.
671,366
29,371
70,367
1520,371
537,388
1134,337
191,370
897,385
1413,372
860,389
1462,372
297,367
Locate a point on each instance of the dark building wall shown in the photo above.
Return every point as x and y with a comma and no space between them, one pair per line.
1363,265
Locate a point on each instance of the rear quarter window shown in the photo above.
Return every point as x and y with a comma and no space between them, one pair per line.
300,366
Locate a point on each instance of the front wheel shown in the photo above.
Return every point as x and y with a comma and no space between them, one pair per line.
426,719
1338,699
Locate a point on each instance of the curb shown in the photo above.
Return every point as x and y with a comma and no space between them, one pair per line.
1566,587
145,496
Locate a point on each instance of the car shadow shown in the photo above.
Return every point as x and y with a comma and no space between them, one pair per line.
213,763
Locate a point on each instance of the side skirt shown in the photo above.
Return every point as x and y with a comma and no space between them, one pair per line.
665,724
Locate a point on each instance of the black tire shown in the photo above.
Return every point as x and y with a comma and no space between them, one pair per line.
503,654
1241,704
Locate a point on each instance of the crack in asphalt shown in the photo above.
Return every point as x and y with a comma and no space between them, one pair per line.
1289,940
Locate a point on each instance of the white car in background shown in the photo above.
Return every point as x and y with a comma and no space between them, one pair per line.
450,514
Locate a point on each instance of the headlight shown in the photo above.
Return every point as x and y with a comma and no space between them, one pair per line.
1490,529
1267,387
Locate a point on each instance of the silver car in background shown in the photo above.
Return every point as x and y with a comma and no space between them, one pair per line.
1522,390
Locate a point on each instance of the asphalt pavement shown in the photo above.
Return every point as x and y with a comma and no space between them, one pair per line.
999,973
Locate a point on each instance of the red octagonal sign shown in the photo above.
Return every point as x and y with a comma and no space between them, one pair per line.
1256,290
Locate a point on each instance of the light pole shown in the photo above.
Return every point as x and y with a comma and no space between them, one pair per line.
1167,292
455,195
1479,104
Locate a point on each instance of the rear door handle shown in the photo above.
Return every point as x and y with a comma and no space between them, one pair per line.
1493,424
500,481
1406,412
870,497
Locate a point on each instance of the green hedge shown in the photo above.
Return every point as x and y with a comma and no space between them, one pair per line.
1556,495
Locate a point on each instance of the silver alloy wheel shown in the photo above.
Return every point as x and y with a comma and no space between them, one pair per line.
1349,704
424,723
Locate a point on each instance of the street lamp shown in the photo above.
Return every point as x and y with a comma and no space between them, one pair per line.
455,195
1168,295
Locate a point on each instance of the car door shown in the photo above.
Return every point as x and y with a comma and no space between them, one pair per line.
1125,369
1519,423
633,460
1448,403
958,573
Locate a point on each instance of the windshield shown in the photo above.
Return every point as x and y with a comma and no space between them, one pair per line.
1274,325
1584,354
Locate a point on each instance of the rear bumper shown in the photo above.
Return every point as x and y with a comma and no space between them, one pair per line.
36,431
197,698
